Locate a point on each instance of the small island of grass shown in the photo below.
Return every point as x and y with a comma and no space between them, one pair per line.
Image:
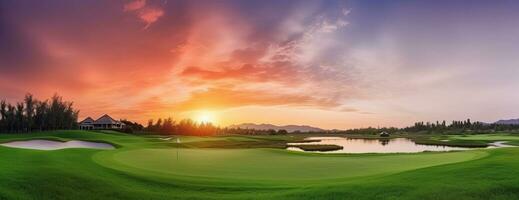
317,147
453,143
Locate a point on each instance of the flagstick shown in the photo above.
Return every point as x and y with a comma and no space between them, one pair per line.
178,144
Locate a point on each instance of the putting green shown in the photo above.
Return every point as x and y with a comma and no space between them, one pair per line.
250,166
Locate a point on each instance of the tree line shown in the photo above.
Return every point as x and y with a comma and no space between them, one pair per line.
439,127
169,126
189,127
32,114
460,126
247,131
183,127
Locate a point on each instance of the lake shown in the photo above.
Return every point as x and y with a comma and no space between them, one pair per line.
396,145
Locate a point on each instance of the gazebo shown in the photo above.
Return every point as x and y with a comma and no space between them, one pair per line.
384,134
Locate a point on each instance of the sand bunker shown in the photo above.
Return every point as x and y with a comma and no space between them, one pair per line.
54,145
500,144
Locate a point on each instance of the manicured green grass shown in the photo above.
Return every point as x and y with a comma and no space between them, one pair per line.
146,167
511,138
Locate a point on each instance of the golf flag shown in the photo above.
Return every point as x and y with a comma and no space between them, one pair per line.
178,142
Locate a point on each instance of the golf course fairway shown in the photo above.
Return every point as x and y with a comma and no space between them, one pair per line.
146,167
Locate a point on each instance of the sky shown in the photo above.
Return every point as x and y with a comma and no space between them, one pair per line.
331,64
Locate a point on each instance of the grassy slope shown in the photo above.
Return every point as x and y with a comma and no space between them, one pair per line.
144,168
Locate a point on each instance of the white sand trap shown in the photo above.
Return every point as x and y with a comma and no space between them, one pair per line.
500,144
54,145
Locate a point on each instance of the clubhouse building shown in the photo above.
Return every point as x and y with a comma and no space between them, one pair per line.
104,122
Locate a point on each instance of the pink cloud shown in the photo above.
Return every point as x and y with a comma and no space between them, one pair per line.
150,15
134,5
146,13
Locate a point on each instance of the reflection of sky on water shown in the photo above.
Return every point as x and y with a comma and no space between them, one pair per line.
396,145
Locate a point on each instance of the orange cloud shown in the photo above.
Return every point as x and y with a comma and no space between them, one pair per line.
222,98
246,73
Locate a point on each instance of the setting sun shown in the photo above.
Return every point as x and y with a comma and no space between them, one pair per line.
205,117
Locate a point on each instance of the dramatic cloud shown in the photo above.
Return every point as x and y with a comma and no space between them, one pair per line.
293,65
332,63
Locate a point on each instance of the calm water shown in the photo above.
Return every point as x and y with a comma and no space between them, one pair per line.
397,145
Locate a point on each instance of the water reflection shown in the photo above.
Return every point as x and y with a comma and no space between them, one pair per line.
383,142
396,145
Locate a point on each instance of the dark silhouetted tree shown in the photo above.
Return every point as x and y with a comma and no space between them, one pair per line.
19,118
29,111
31,114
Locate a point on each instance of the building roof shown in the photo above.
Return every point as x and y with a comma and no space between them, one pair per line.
106,119
87,120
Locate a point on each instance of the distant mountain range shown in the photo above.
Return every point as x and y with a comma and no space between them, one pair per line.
289,128
508,121
306,128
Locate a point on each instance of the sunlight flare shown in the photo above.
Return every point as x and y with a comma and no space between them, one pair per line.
205,117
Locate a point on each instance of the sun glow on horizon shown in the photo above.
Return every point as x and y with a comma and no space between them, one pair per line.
205,117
